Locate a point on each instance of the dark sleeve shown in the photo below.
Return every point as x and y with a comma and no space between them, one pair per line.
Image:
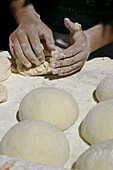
27,2
109,20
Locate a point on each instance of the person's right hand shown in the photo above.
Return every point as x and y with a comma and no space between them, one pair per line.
25,43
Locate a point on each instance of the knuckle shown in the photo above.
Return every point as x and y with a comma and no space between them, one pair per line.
19,32
38,51
66,69
73,60
78,64
61,63
29,27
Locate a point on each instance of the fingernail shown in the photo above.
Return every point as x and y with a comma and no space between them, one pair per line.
52,46
41,58
28,65
55,71
37,62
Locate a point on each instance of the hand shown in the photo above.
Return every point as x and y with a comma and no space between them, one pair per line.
25,43
75,56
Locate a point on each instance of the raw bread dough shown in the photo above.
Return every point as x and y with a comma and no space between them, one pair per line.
36,141
98,123
5,66
53,105
35,70
96,157
9,163
43,69
3,93
104,90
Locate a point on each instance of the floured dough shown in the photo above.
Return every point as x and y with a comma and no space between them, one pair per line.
3,93
96,157
33,71
98,123
9,163
53,105
43,69
5,66
104,90
36,141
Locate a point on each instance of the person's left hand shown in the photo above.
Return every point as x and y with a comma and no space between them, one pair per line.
74,56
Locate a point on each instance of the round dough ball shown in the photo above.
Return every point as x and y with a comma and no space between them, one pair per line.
98,123
10,163
104,90
3,93
53,105
96,157
36,141
5,66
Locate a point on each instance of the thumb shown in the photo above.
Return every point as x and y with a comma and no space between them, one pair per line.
72,26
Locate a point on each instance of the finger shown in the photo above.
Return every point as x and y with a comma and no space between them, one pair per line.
26,48
69,52
18,53
65,70
11,47
71,72
36,45
49,40
68,61
73,27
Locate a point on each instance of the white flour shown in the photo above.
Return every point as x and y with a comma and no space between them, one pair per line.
80,85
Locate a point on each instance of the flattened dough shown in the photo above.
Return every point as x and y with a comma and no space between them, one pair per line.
3,93
96,157
36,141
104,90
98,123
53,105
5,66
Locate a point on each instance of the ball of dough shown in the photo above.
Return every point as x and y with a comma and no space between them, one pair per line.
10,163
5,66
53,105
36,141
98,123
3,93
104,90
96,157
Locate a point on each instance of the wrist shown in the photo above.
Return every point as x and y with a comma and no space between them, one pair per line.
25,12
93,36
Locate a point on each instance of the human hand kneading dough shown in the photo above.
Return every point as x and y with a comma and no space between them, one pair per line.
25,43
75,56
